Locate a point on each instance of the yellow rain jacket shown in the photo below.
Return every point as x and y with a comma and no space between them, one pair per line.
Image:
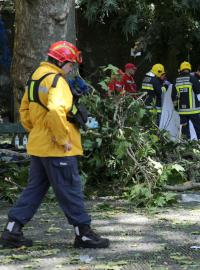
50,130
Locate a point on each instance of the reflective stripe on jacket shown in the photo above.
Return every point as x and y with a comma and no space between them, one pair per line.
50,130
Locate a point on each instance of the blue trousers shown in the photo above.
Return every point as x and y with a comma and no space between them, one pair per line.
195,119
62,174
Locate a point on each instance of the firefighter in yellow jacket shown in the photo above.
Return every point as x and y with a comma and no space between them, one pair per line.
54,143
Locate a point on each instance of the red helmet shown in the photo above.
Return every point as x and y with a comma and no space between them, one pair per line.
130,66
65,51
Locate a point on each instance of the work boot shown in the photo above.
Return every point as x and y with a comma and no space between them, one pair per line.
87,238
12,236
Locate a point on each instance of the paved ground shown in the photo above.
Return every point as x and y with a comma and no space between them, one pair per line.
139,240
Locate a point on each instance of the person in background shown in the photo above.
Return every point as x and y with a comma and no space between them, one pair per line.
155,85
185,91
197,73
115,85
128,81
54,143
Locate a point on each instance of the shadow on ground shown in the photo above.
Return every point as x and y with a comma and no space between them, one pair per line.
165,239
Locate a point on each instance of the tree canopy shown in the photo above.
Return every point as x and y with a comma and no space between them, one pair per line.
166,31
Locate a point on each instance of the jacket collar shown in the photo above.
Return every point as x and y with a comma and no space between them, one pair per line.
52,67
150,74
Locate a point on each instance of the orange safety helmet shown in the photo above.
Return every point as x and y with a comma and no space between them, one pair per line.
64,51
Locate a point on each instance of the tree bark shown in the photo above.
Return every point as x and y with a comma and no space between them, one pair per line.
38,23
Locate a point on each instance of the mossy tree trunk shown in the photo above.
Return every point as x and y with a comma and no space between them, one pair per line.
38,23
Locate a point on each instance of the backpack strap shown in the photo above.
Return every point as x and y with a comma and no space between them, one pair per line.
78,113
33,88
55,80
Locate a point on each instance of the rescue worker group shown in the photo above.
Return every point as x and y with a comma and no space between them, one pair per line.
51,113
185,94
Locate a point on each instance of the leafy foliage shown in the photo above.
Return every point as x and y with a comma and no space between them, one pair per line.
165,31
129,156
7,5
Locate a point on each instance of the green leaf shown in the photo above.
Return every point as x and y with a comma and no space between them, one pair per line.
178,168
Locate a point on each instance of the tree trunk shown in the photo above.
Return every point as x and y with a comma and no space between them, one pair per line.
38,23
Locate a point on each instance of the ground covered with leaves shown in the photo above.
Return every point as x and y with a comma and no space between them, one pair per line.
163,239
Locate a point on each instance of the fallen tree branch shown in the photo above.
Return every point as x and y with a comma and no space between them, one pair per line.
182,187
12,153
8,180
116,110
147,177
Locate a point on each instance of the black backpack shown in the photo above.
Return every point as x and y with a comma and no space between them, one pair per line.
78,113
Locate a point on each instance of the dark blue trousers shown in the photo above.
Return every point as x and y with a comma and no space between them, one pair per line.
62,174
195,119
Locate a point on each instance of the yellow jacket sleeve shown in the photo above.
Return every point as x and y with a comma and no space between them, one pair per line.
59,103
24,112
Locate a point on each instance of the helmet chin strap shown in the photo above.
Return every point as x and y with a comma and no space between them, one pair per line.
62,64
